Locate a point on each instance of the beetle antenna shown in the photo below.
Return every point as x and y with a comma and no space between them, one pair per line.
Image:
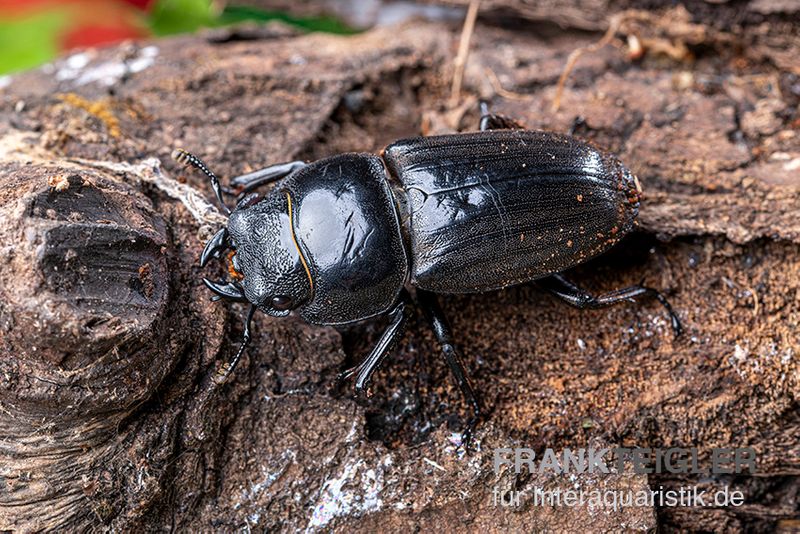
190,160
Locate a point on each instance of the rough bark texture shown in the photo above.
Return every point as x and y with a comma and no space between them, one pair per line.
108,337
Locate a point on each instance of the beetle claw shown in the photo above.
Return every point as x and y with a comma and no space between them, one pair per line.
360,391
215,246
226,290
344,375
363,393
677,328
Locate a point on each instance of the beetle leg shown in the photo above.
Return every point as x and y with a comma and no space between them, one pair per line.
441,329
578,122
391,335
575,296
490,121
247,182
227,368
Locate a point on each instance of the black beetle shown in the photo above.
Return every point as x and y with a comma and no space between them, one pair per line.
340,239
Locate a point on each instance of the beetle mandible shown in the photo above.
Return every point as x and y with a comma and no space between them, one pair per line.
339,240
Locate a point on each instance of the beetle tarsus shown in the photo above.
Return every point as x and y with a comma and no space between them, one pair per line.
677,328
441,329
578,122
581,299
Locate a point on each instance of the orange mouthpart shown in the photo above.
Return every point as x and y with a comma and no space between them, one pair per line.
236,275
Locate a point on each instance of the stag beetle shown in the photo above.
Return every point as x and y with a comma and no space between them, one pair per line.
340,239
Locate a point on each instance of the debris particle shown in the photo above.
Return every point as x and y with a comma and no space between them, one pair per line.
146,278
58,182
434,464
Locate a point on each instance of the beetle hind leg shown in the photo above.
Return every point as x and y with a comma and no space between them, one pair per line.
490,121
579,298
441,329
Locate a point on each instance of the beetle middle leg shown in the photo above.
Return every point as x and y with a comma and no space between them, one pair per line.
390,336
490,121
441,329
579,298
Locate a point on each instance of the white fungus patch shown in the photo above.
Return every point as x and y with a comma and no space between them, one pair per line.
252,494
78,67
738,359
350,493
107,73
5,81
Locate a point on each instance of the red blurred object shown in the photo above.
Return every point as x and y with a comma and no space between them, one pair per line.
21,6
144,5
87,22
92,35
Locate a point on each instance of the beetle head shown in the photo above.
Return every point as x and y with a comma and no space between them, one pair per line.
272,268
265,262
266,265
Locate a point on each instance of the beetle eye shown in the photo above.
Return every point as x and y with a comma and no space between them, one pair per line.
281,302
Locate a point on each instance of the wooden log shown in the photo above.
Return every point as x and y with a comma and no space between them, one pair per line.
106,424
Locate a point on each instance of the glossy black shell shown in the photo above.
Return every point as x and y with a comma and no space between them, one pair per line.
348,230
457,213
487,210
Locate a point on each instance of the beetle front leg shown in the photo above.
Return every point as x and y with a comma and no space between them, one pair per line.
441,329
579,298
390,336
247,182
229,365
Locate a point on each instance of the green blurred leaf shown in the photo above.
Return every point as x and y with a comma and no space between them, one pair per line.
30,41
33,40
180,16
235,14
